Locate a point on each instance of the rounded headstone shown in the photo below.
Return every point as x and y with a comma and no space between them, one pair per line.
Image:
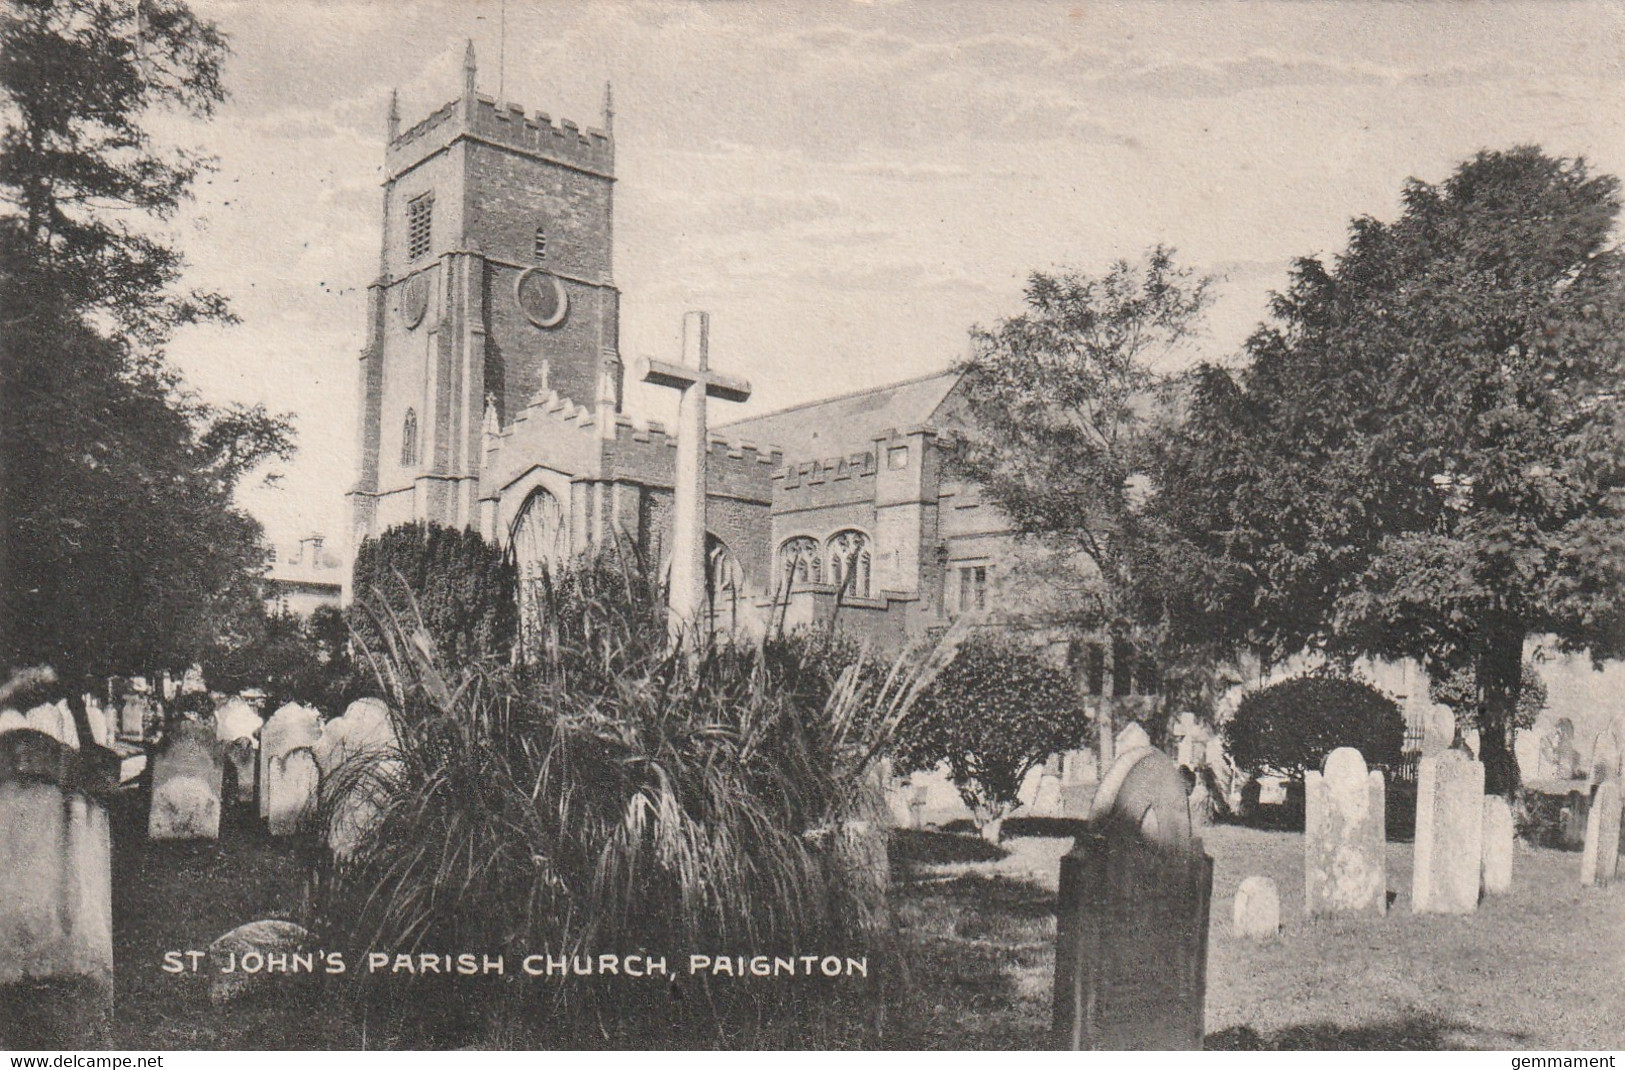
1256,913
1144,793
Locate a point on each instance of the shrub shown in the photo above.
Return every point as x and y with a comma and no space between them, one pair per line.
992,714
463,590
293,660
1289,727
603,792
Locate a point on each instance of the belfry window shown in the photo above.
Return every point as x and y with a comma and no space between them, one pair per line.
409,439
540,248
419,224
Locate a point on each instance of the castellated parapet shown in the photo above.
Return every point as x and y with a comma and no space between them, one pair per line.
504,124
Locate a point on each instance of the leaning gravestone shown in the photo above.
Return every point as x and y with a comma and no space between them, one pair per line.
56,912
186,775
1449,834
290,727
1132,917
1600,862
1498,840
1345,852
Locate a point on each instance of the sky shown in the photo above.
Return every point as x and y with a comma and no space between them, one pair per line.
847,187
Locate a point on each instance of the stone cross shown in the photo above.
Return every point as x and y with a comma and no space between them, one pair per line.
695,381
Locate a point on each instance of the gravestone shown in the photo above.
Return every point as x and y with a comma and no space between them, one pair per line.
293,782
1132,737
1132,917
354,756
290,727
1498,841
1345,856
1600,862
56,910
1449,834
237,727
1438,731
1256,913
1576,811
1047,799
186,774
136,714
56,721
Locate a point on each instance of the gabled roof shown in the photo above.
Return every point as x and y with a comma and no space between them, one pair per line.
847,424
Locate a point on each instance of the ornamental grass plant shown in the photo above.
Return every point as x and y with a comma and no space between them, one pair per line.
608,791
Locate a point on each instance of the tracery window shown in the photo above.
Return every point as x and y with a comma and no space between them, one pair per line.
850,562
800,562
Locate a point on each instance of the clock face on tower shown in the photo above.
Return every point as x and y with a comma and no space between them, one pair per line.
541,297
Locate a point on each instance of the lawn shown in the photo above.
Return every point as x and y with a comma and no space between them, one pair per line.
1541,968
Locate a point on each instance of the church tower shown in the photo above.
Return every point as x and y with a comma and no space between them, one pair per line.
495,284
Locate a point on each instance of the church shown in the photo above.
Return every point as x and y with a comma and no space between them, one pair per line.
491,387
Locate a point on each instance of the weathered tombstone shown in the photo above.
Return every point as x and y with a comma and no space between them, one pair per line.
11,720
136,713
237,727
1047,799
186,774
1345,856
1132,737
1600,862
354,755
56,721
292,786
1256,913
290,727
1438,731
1132,917
1498,840
56,912
262,938
1449,834
1576,811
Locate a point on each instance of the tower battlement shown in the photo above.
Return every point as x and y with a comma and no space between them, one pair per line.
476,115
563,142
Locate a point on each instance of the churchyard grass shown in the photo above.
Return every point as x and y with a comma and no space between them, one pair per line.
1535,969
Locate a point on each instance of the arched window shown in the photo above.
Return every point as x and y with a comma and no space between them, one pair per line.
539,537
849,562
800,562
540,247
409,439
724,582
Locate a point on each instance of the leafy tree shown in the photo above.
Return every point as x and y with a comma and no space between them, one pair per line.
123,550
1289,727
992,714
293,660
464,589
1066,403
1425,456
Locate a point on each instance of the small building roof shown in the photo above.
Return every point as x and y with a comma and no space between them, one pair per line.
849,423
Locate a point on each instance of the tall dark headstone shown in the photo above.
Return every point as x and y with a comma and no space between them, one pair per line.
1132,917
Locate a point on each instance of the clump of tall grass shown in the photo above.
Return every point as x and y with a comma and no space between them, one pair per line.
608,792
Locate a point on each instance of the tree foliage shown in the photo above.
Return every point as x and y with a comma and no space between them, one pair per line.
292,659
1066,405
464,589
123,549
1290,727
992,714
1425,455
